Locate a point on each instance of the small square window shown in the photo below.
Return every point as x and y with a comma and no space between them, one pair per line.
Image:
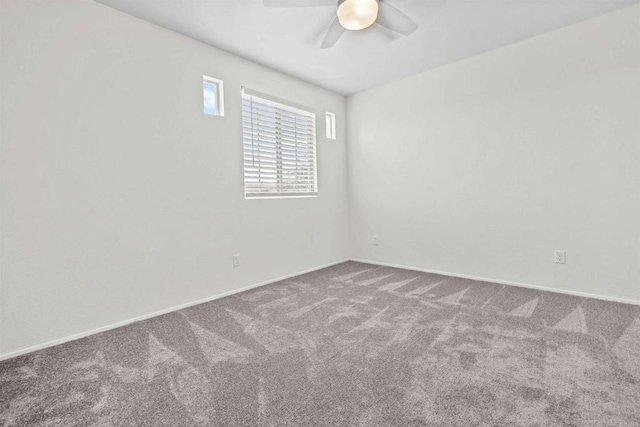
330,122
213,96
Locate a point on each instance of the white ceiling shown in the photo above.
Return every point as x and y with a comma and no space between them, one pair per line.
288,39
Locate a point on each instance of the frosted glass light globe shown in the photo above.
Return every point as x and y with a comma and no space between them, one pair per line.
357,14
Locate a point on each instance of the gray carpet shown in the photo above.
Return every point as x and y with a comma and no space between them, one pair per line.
350,345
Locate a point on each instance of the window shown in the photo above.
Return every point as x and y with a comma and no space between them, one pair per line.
213,96
330,123
279,141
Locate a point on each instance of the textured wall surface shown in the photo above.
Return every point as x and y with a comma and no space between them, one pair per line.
485,167
119,196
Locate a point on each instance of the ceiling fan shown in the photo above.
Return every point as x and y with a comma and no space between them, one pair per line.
355,15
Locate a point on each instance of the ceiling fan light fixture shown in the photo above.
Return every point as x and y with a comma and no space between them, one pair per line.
357,14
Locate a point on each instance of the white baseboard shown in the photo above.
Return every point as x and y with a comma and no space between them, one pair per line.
74,337
502,282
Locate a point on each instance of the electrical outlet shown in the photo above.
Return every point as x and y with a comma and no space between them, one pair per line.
561,257
376,241
236,260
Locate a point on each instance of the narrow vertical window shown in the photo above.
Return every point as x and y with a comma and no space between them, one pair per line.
212,92
330,123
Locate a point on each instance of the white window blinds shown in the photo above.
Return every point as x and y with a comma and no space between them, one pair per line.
279,141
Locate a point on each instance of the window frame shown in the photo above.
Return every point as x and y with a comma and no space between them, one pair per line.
330,125
219,84
289,107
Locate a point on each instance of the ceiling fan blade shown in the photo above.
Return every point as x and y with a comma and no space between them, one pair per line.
333,34
393,19
299,3
387,33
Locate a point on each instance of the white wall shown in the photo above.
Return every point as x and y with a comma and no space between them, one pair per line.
119,197
486,166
